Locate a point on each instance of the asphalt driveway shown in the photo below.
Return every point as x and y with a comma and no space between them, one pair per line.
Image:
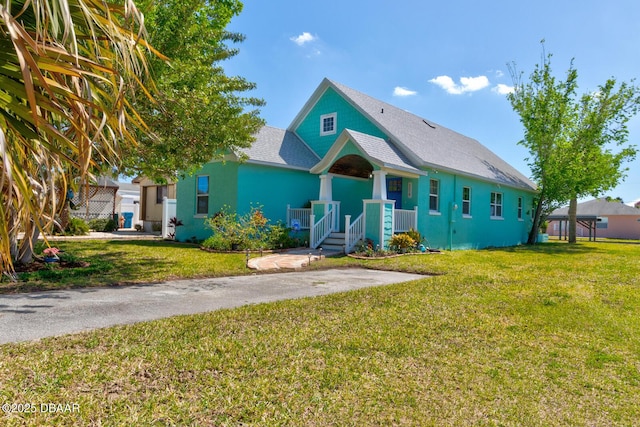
26,317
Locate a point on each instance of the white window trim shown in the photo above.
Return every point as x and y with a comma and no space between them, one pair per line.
335,124
202,215
466,215
437,196
501,217
520,208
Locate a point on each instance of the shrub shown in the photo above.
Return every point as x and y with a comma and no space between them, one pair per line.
279,236
415,235
98,224
226,226
76,227
249,231
217,242
111,226
174,223
402,242
106,225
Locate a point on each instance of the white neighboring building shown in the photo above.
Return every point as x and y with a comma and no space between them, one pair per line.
128,203
634,204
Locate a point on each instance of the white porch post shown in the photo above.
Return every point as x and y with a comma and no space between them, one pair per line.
288,216
312,222
347,237
325,188
379,185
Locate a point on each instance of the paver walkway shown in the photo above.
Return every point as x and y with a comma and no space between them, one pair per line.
292,259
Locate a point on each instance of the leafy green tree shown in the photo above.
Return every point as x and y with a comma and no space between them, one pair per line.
570,139
199,113
66,70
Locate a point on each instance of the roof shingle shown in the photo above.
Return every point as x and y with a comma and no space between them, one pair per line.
281,147
600,207
431,145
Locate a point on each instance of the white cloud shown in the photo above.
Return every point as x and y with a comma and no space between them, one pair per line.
403,91
467,84
503,89
303,38
472,84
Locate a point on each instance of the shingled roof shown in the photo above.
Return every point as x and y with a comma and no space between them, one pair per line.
412,143
376,150
424,143
280,147
599,207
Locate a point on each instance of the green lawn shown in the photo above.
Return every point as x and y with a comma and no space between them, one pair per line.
118,262
537,336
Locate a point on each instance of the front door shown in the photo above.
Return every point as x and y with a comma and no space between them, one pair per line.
394,191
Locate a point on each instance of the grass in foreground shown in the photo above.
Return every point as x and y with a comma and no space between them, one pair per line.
542,336
118,262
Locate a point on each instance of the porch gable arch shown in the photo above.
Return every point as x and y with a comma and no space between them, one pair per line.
352,165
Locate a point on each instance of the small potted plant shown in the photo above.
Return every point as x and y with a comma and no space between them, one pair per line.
51,254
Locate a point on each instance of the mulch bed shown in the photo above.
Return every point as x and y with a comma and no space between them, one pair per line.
429,251
39,264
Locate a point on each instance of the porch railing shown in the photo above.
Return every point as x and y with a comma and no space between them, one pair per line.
354,232
405,220
320,230
301,215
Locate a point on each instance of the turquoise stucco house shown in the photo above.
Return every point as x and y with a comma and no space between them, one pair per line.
351,167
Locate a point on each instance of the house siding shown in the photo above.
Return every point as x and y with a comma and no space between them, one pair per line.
347,118
449,229
350,193
151,210
372,222
241,186
272,188
223,190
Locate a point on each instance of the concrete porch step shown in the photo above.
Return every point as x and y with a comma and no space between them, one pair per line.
331,247
335,242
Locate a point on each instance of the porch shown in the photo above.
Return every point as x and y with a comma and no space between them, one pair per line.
366,179
326,231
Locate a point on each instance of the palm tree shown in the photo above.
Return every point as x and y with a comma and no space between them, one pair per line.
67,69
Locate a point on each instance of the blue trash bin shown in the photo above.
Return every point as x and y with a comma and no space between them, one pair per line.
128,217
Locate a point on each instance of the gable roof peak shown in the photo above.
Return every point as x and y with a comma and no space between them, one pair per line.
425,143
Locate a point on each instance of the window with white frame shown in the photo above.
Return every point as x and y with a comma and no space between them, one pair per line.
202,195
496,205
434,194
466,201
520,204
328,124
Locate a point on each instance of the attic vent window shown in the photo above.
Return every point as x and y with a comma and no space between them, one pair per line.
328,124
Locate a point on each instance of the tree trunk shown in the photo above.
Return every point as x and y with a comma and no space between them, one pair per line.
533,233
573,212
25,248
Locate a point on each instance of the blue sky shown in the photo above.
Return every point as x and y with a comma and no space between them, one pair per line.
444,61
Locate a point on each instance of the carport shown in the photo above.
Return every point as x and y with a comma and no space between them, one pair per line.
587,221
